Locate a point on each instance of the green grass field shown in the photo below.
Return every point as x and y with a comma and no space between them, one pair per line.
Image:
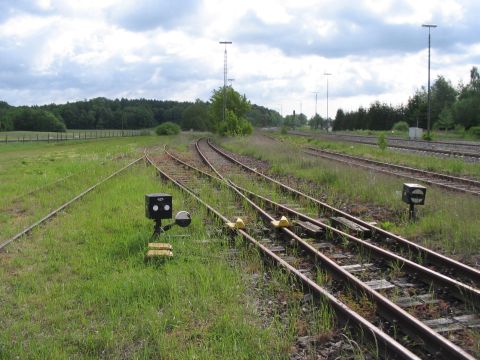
78,286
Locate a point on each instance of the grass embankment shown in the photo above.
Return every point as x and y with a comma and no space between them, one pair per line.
452,166
78,286
448,221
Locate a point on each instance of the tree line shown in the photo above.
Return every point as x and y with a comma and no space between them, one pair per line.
450,108
103,113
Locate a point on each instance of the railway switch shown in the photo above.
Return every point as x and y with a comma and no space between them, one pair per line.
413,194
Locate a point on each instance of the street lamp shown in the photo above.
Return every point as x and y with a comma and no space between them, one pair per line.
429,26
224,75
316,95
327,75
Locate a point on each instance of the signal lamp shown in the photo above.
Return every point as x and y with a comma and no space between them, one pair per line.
158,207
413,194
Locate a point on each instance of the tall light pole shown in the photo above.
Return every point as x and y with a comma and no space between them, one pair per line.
316,95
224,75
327,75
429,26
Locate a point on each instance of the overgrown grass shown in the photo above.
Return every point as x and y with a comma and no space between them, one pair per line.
448,221
36,178
79,287
452,166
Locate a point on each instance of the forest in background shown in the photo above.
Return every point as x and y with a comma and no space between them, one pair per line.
451,107
103,113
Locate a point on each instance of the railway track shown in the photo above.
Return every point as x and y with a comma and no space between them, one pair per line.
352,263
192,185
468,152
449,182
461,144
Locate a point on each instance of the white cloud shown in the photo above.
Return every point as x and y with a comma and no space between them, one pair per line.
58,50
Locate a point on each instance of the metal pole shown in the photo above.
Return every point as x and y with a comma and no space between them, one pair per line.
327,75
429,26
224,76
327,98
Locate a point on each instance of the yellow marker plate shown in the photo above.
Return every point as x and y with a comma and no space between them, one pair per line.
159,246
158,253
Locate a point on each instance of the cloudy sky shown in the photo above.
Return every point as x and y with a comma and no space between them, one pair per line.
68,50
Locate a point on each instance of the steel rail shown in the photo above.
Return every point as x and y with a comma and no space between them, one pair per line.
54,212
460,290
419,141
331,155
427,254
437,344
406,147
378,337
43,187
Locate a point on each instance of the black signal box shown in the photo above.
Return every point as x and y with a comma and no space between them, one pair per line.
414,194
158,206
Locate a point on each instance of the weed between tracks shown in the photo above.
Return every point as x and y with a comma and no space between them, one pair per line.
448,221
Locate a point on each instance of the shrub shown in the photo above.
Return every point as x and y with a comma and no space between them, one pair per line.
284,130
427,136
382,141
475,131
246,127
167,128
400,126
234,125
33,119
5,123
459,129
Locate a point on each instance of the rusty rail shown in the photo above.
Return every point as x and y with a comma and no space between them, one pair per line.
413,173
386,343
427,254
437,344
